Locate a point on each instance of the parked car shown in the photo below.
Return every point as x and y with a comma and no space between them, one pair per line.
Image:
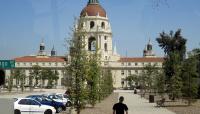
64,97
59,106
28,105
58,99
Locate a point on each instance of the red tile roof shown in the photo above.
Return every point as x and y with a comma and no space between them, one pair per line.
39,59
141,59
93,10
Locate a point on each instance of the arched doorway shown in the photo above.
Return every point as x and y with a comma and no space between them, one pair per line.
2,77
92,44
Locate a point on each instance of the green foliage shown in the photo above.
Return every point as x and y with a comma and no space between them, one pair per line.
160,83
189,76
106,83
93,77
195,53
172,43
147,77
19,76
174,46
132,79
50,75
35,74
10,82
77,69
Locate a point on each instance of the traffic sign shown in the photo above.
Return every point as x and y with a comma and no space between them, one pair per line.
7,64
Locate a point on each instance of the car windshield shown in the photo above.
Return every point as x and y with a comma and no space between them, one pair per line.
65,96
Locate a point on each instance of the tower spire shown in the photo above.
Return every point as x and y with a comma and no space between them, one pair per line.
93,2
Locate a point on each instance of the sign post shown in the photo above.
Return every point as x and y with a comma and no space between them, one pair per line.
7,64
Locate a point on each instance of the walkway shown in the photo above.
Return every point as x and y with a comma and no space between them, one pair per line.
138,105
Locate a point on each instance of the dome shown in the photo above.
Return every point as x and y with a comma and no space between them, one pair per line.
93,10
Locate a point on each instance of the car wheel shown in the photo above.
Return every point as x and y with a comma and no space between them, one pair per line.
68,104
17,112
59,109
48,112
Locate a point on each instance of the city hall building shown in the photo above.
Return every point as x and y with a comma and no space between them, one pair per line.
94,24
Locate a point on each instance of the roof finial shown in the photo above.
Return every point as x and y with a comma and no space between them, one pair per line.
93,2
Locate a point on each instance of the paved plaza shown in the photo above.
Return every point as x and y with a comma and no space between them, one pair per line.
138,105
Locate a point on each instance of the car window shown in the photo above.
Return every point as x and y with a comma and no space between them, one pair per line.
23,102
65,96
33,102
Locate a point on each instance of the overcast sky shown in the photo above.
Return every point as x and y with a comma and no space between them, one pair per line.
24,23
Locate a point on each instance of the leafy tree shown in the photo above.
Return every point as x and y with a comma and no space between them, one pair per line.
189,76
19,76
172,43
147,77
131,79
175,83
52,78
196,54
10,82
93,77
35,74
174,46
77,69
106,86
160,83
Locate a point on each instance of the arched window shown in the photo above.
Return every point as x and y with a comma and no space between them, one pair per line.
105,47
103,25
92,44
91,24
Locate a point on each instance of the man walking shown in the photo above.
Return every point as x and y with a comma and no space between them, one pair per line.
120,108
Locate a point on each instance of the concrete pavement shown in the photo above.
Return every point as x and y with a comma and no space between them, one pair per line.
138,105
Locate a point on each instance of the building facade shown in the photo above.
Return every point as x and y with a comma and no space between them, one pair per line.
94,24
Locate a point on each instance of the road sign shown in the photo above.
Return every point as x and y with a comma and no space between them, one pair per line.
7,64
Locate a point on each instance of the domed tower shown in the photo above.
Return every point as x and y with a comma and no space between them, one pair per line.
148,51
95,26
42,49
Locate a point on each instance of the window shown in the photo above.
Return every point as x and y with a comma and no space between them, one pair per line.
106,57
24,64
103,25
82,25
129,64
129,72
92,44
143,64
122,72
43,64
122,64
23,102
49,64
105,47
105,37
32,102
91,24
136,64
136,71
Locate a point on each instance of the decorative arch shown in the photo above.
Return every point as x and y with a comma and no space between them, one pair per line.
92,24
92,44
105,47
103,25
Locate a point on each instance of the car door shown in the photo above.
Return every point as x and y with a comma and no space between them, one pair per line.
24,106
35,107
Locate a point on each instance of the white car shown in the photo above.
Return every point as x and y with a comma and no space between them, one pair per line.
65,97
31,106
60,98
